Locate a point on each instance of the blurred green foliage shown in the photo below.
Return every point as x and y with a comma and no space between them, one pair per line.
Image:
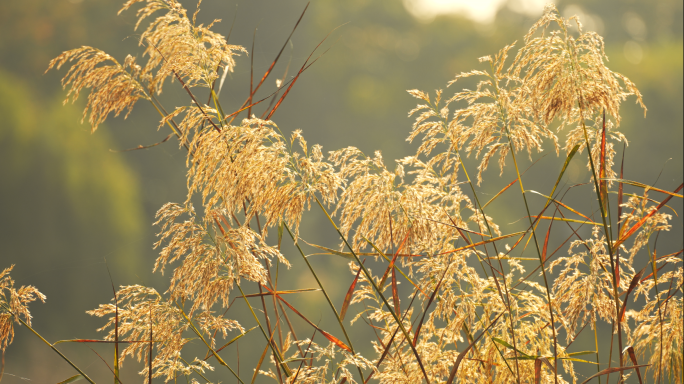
67,204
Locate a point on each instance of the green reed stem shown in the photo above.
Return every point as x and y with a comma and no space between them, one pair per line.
213,352
570,47
660,314
276,353
606,230
507,301
464,324
7,308
327,297
375,286
506,294
539,254
598,362
504,121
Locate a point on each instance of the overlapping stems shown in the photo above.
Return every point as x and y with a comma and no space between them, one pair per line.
543,81
576,85
413,217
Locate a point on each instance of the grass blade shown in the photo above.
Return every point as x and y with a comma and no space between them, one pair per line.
234,339
461,355
251,76
348,296
483,242
348,255
287,91
261,360
327,335
432,297
500,192
572,153
390,267
602,162
561,204
460,229
619,218
564,219
101,341
612,370
395,291
632,356
71,379
116,325
269,293
268,71
507,345
116,375
510,184
650,275
641,222
645,186
546,241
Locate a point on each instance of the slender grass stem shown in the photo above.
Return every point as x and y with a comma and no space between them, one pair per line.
276,353
504,121
375,286
539,254
325,293
660,314
596,345
480,208
578,80
213,352
7,308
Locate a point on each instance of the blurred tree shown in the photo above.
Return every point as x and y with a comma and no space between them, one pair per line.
67,203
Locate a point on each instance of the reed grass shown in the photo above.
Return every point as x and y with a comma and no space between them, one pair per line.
422,223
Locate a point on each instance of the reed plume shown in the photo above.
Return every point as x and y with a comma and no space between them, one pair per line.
485,304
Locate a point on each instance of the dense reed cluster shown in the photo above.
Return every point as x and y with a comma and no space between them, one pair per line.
478,312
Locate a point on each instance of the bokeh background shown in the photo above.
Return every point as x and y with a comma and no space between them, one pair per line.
71,209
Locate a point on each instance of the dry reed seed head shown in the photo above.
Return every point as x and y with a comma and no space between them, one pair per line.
253,163
421,211
495,115
562,73
253,167
594,133
211,257
141,309
330,369
177,46
585,286
113,87
14,305
659,331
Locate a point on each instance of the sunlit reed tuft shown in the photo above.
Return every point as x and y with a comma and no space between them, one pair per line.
479,303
